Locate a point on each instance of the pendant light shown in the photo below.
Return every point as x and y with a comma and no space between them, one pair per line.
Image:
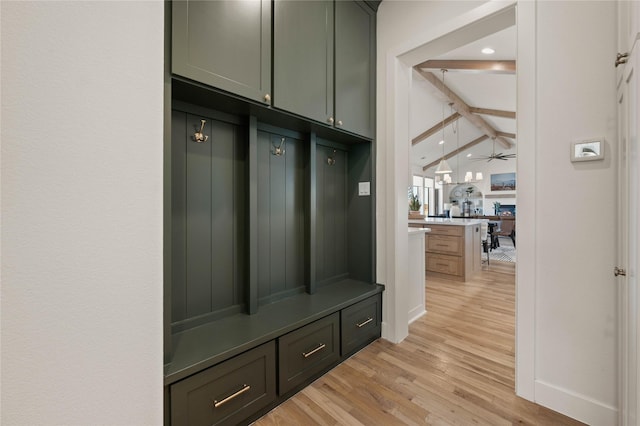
443,167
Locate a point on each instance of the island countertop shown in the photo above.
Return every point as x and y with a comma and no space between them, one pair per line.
446,221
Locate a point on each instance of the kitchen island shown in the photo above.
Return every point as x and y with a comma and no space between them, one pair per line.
452,248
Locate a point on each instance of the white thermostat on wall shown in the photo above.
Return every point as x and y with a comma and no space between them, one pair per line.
587,150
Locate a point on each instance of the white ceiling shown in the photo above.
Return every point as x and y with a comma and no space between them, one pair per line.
477,89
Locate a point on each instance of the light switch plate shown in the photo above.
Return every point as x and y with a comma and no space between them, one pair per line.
364,188
587,150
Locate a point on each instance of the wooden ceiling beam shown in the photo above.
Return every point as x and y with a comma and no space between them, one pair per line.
461,106
484,66
457,151
422,136
493,112
436,128
506,135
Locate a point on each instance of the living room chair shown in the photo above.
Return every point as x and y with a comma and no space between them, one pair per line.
507,229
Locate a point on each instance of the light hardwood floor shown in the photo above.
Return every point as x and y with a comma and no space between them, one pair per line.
455,368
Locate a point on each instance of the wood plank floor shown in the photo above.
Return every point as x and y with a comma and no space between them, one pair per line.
455,368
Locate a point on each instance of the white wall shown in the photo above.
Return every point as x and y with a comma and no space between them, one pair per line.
573,220
566,238
82,87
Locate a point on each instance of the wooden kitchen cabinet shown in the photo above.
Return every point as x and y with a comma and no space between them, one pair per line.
446,244
453,251
444,264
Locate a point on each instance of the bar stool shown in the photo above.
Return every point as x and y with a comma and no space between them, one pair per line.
484,236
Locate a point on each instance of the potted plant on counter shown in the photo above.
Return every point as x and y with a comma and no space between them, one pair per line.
414,206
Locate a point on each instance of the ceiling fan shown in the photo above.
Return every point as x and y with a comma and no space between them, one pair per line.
494,156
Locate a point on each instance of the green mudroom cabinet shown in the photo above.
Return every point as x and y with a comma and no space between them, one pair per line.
269,212
322,57
322,61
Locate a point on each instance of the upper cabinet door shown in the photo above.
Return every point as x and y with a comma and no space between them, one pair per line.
303,58
225,44
355,67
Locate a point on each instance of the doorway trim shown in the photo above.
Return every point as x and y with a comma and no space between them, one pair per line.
399,61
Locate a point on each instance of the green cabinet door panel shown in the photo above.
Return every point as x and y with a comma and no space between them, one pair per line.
303,58
354,67
331,214
281,215
208,225
225,44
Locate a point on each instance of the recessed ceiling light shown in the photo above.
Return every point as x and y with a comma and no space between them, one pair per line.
469,155
488,51
440,143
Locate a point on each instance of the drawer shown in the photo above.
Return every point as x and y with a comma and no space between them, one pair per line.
443,264
446,245
308,351
227,393
360,324
455,231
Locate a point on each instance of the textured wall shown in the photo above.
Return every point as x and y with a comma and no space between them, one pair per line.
82,89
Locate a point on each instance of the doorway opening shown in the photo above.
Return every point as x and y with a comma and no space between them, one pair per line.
484,21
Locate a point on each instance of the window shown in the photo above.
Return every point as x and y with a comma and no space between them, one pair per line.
423,187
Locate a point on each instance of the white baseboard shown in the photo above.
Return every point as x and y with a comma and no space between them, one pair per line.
416,313
384,333
579,407
391,334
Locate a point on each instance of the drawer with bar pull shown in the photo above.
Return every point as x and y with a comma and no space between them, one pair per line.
443,264
445,245
360,323
227,393
307,351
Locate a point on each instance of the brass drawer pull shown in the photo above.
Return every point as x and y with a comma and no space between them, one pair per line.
362,324
244,389
319,348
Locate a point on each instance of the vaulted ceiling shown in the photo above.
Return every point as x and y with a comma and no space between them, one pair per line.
478,97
